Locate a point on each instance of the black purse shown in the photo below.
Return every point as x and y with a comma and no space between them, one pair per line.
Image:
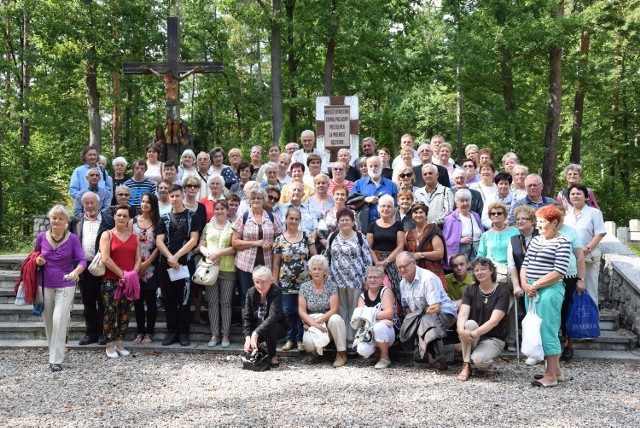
38,307
257,361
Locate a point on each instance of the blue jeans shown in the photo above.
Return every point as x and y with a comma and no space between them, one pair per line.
290,307
245,283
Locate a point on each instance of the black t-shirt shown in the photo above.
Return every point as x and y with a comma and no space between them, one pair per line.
179,232
385,239
481,312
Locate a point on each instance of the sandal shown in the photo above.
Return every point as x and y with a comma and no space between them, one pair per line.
148,339
138,339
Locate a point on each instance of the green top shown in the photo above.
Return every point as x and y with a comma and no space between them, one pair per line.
455,289
212,236
498,244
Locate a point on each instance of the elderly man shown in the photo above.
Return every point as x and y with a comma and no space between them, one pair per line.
534,198
422,292
437,197
89,229
139,184
374,186
93,178
460,182
204,171
291,148
407,141
309,221
308,140
426,154
368,149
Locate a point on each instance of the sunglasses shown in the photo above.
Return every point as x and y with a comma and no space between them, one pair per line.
272,198
192,186
408,175
496,214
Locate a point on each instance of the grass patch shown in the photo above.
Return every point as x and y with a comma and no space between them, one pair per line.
634,247
15,244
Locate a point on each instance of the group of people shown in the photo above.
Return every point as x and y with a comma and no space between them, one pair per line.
364,253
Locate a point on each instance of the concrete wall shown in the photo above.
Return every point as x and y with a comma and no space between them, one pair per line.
620,282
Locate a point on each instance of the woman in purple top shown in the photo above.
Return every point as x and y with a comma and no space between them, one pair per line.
59,250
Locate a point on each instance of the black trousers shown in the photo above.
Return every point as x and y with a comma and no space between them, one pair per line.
92,301
271,337
146,320
569,288
176,301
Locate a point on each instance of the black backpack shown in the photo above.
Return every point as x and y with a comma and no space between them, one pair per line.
327,251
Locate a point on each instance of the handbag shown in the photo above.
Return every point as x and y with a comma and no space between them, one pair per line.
583,321
97,267
206,272
257,360
531,338
502,271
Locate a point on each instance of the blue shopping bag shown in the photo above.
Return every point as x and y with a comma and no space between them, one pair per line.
583,321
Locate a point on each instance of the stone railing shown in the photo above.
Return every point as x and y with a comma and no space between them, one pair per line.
40,224
619,285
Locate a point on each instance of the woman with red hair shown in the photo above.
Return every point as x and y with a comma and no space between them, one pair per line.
543,269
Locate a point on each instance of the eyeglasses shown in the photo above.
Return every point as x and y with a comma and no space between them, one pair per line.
523,219
408,175
373,278
496,213
123,194
192,186
468,166
405,266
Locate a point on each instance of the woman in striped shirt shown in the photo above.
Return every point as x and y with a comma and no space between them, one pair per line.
541,275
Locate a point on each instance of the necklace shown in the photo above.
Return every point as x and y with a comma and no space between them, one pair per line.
504,226
347,237
57,240
486,296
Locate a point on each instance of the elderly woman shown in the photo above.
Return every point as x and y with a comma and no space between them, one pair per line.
471,152
462,228
318,303
486,186
119,175
362,167
297,173
187,168
406,179
268,176
481,323
509,160
573,174
262,316
59,251
244,172
470,168
235,158
217,165
321,201
541,276
339,171
79,176
121,255
403,212
291,250
485,154
314,165
216,187
328,222
503,182
284,160
384,331
589,224
426,242
123,196
144,227
215,245
349,257
154,166
253,235
386,239
519,174
444,156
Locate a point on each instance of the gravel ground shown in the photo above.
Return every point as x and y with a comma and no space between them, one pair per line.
173,389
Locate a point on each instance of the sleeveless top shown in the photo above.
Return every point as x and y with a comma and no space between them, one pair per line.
123,254
147,239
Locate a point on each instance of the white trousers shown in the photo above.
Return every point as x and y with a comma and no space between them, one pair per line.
337,332
485,349
382,333
56,317
592,273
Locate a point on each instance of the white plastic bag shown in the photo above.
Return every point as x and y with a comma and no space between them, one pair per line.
20,295
531,339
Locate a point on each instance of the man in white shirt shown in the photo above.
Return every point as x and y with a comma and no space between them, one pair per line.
437,197
308,140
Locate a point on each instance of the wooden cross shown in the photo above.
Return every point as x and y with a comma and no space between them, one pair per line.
172,72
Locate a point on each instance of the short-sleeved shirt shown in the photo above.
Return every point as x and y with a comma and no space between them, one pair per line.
177,237
481,312
139,188
455,289
293,262
318,303
426,289
250,231
385,238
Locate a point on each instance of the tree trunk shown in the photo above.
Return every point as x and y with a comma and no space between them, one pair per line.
128,115
507,83
459,104
93,103
277,118
578,101
292,65
115,122
329,63
25,129
553,116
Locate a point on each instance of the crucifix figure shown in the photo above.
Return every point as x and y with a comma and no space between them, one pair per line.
172,72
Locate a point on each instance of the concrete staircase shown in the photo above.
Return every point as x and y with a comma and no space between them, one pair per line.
19,329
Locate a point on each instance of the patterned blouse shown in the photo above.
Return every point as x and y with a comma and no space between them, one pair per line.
245,259
293,262
349,261
147,239
318,303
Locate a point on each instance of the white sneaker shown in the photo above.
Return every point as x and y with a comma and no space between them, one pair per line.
531,361
382,364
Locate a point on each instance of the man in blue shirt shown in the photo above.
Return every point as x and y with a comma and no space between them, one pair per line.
534,198
374,186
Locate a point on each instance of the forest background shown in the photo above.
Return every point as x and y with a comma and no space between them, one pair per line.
554,81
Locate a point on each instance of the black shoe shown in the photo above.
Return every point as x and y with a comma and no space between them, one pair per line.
56,367
567,354
160,303
351,352
88,340
184,340
102,341
170,340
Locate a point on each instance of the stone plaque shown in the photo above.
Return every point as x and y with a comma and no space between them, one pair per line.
336,127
